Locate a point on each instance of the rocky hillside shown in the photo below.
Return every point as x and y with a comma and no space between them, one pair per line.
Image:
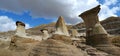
36,30
50,27
111,24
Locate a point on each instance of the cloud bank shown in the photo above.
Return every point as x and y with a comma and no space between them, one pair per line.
49,9
69,9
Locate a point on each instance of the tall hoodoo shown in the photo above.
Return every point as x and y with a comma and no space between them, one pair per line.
96,35
61,28
20,30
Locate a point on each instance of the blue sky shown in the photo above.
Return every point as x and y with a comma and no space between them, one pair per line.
37,12
26,18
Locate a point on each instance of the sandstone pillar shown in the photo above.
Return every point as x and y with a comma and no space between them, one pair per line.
61,28
45,34
96,35
20,30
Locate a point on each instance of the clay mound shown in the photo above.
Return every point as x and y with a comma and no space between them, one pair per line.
63,38
52,47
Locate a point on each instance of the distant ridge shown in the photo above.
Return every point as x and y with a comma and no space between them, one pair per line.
111,24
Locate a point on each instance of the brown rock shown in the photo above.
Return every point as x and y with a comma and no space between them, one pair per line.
5,52
52,47
63,38
20,43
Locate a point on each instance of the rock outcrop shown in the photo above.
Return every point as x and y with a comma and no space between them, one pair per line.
52,47
61,28
20,43
62,38
96,35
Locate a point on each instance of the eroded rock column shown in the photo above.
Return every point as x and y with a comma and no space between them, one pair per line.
20,30
96,35
45,34
61,28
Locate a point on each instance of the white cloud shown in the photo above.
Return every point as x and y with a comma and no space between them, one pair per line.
106,11
69,9
110,2
27,26
7,24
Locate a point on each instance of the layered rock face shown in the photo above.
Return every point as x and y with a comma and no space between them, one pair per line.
52,47
96,35
20,43
62,38
20,31
61,28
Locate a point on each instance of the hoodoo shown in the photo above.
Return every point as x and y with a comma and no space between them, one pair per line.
20,30
61,28
96,35
45,34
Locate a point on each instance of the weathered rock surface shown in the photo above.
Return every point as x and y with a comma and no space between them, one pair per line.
20,43
55,48
62,38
